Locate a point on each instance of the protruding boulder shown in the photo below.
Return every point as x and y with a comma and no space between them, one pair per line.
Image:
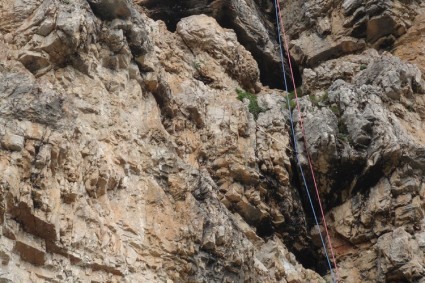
13,142
204,34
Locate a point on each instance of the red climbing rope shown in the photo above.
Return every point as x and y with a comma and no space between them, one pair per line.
301,122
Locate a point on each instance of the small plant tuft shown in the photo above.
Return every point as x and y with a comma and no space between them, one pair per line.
342,128
363,67
317,100
314,100
325,97
293,104
343,133
342,137
197,65
410,108
253,106
336,110
291,97
299,92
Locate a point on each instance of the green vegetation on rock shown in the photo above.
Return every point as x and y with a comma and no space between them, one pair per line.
253,106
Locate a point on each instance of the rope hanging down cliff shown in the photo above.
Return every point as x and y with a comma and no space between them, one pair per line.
281,31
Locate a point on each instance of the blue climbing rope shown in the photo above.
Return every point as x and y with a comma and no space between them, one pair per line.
295,144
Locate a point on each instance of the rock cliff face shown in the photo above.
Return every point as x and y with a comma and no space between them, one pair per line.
126,155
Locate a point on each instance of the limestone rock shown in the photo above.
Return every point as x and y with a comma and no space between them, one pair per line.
35,62
202,32
410,46
251,20
13,142
126,154
367,130
353,26
29,253
399,78
399,256
310,50
110,9
118,152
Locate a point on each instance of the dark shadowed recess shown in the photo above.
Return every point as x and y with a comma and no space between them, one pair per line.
171,12
309,257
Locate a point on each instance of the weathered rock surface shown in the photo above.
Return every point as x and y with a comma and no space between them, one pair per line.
110,9
410,46
252,20
125,155
365,116
322,30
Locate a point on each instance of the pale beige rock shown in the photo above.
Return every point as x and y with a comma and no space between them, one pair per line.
311,49
202,32
234,193
410,47
13,142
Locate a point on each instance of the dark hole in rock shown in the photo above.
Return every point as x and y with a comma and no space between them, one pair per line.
343,175
308,256
265,228
270,70
293,231
203,78
385,43
359,30
298,183
368,180
310,259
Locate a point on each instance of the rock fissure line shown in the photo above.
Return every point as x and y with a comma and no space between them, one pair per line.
282,29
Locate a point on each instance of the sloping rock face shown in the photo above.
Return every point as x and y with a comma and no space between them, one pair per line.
363,118
370,125
125,155
410,46
323,30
